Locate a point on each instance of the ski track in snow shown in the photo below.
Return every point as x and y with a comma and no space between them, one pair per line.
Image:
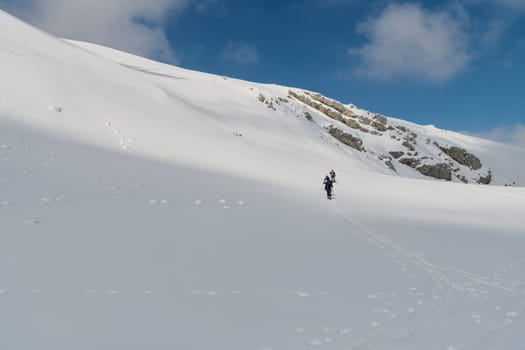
400,324
403,324
452,287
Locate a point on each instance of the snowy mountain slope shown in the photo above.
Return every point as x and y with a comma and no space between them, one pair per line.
162,92
147,206
379,136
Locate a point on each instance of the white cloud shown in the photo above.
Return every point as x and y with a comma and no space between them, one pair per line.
240,52
207,6
516,4
130,25
409,41
514,135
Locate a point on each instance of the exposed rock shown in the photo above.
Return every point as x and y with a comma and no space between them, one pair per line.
349,113
380,119
365,120
270,105
308,116
411,162
329,102
379,126
402,128
408,145
487,179
397,154
332,114
438,171
449,160
462,178
331,108
390,165
346,138
352,123
462,157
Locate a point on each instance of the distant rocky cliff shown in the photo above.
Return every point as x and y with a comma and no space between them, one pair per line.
394,145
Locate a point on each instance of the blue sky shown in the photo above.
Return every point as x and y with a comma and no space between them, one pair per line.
458,65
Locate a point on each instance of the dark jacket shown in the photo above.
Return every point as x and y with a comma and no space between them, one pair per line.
327,184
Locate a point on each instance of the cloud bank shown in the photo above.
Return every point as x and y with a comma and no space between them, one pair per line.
515,4
408,41
134,26
514,135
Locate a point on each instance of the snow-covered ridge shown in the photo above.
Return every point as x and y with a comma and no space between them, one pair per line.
404,148
99,95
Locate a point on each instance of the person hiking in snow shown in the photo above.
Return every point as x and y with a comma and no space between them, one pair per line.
332,175
328,184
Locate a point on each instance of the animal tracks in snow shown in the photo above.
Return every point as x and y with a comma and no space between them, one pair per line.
222,203
319,336
124,141
156,201
53,199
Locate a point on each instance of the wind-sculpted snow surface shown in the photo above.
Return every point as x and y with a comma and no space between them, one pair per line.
146,206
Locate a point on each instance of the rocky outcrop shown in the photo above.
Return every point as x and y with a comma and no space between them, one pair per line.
346,138
379,123
308,117
437,171
330,112
448,162
402,128
268,103
389,164
411,162
338,106
397,154
408,145
485,180
378,126
462,179
462,157
353,124
337,111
